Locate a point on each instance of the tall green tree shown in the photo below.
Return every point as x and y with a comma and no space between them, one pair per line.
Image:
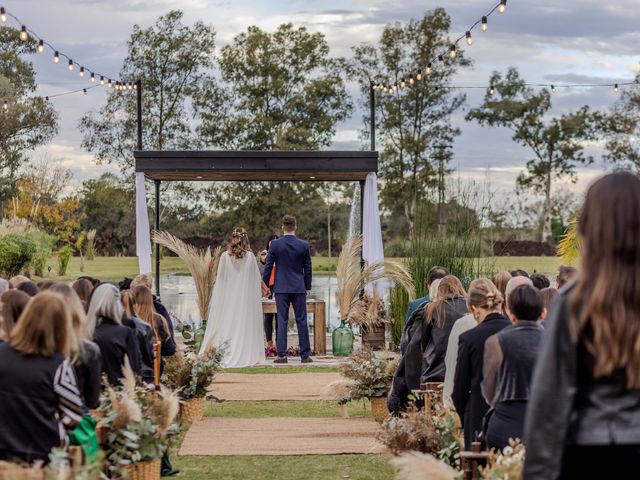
622,128
414,124
27,121
557,143
172,60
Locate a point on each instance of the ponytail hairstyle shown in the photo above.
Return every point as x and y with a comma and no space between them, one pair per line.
484,294
239,244
449,288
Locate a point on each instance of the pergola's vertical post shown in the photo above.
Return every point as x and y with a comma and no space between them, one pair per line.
157,185
139,112
362,219
372,115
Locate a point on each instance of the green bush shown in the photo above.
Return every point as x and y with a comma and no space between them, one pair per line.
64,255
44,245
16,252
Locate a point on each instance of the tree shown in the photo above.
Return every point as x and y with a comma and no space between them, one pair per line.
47,178
171,59
622,127
557,143
414,124
27,121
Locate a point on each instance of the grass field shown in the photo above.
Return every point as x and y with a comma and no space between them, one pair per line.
116,268
283,408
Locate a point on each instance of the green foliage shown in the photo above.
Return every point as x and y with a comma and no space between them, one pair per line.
558,144
368,375
16,253
415,127
191,374
399,302
44,247
64,254
622,129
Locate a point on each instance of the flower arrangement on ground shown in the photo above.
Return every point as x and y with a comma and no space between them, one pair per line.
139,422
190,375
507,464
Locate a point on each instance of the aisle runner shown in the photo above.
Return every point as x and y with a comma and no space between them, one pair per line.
286,386
281,436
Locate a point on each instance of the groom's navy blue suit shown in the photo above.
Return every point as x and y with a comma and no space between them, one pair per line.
292,259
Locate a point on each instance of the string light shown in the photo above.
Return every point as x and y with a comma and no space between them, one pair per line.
93,78
469,38
3,15
40,47
5,105
553,88
110,84
70,67
101,80
616,88
411,80
84,90
419,75
491,90
402,83
81,71
441,59
453,51
428,68
503,6
485,24
56,57
23,34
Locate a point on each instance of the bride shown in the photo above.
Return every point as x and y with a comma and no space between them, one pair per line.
235,314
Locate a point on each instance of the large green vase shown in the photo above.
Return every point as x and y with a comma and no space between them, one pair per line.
342,338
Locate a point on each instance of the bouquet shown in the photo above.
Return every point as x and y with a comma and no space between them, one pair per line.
368,376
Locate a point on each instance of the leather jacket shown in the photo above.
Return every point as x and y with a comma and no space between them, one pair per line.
568,406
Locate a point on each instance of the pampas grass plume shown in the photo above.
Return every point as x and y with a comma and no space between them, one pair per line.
420,466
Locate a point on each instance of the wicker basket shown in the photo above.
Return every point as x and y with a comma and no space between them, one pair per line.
379,408
149,470
192,410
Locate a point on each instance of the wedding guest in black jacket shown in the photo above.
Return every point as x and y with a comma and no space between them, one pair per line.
144,334
485,303
583,418
509,358
39,398
88,362
147,281
12,304
116,341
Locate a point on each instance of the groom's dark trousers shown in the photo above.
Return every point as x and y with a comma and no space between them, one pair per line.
299,303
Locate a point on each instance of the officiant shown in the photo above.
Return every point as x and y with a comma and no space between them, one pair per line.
269,318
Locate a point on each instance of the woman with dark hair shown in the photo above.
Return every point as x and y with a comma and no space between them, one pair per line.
13,304
509,357
583,418
83,289
143,308
548,294
30,288
269,318
144,334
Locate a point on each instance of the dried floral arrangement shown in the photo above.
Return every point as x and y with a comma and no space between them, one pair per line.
58,469
139,422
368,375
505,465
421,466
190,374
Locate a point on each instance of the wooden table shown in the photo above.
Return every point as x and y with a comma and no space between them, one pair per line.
317,307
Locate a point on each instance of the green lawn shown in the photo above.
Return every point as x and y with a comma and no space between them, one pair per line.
284,408
282,370
116,268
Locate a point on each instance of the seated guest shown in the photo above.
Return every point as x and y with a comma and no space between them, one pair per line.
12,304
441,314
4,285
518,272
485,303
18,280
540,281
116,341
500,280
39,399
583,416
548,294
88,363
147,281
509,358
143,307
434,274
451,358
514,283
83,289
45,285
28,287
566,275
144,334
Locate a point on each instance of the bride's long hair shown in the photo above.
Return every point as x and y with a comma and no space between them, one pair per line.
239,244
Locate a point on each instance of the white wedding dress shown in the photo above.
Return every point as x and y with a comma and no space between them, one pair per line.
235,313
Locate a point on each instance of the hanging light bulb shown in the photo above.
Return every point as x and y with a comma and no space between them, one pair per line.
616,88
453,51
429,68
56,57
419,75
23,34
469,38
110,84
130,85
441,58
395,87
70,67
82,71
485,24
40,47
384,89
84,90
101,80
93,78
491,90
46,98
135,86
553,88
411,80
402,83
3,15
503,6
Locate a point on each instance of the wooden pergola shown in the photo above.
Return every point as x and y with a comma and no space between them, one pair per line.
252,166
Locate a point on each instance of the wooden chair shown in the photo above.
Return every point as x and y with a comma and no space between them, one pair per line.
157,363
471,461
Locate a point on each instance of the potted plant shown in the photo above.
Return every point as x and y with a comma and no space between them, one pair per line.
190,375
354,279
369,376
138,422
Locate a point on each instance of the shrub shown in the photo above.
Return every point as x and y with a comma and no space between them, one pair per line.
16,252
64,255
44,249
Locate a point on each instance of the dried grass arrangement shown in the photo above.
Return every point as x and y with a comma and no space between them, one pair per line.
353,279
138,421
368,375
420,466
190,374
505,465
203,265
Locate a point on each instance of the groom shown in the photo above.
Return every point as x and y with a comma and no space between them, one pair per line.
292,285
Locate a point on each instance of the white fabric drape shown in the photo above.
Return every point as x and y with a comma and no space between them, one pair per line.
372,248
143,231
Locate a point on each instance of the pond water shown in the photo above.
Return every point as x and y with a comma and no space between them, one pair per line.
178,294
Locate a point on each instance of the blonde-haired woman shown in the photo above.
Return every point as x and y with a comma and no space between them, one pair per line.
235,316
39,398
485,303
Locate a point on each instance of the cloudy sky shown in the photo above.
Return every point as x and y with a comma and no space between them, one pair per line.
561,41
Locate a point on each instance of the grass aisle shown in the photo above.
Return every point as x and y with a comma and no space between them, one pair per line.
308,467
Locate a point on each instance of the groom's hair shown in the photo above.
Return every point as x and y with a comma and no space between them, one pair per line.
289,223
